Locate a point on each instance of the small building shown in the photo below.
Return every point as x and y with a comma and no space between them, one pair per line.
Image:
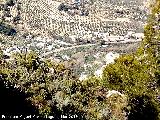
113,38
138,35
76,1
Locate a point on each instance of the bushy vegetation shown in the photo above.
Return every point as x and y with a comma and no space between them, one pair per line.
137,74
54,90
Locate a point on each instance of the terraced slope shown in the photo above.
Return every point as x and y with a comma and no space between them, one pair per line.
44,15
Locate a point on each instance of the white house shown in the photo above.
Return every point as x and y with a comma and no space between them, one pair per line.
138,35
113,38
129,34
40,44
65,57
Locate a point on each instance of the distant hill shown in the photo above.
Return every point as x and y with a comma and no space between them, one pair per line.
44,16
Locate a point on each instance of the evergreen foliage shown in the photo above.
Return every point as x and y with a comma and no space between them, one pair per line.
54,90
137,74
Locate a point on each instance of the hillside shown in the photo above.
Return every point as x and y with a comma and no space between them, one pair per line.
110,26
60,75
